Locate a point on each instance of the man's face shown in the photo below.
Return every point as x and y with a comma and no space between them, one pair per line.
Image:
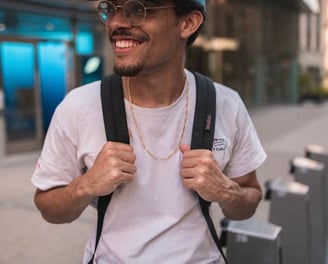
153,43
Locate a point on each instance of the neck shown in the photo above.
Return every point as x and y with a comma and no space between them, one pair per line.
155,91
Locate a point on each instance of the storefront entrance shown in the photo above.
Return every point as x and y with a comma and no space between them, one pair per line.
33,81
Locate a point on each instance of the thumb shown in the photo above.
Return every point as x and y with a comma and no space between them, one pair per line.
184,148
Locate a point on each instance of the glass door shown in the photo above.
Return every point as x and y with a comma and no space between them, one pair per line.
20,84
53,68
33,77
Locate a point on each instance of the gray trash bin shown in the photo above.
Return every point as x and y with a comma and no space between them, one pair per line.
318,153
252,241
289,208
311,173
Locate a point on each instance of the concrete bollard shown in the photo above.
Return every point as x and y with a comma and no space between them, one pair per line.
289,208
252,241
311,173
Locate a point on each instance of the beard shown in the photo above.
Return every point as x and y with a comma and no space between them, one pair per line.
130,70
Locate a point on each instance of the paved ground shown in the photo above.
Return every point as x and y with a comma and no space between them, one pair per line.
26,239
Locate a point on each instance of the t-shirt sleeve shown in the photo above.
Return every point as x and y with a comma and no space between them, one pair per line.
247,153
58,164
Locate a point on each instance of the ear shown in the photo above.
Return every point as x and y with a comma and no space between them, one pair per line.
190,23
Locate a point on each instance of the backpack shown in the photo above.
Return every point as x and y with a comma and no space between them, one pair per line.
113,108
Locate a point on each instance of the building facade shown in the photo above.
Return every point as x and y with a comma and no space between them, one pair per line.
276,43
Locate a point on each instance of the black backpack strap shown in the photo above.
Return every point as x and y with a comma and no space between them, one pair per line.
116,128
203,135
205,111
112,99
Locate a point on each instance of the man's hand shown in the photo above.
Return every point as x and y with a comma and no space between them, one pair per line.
114,166
200,172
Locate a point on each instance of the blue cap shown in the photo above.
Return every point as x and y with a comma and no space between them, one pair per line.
202,2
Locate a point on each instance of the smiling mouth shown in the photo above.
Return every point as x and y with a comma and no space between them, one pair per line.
124,44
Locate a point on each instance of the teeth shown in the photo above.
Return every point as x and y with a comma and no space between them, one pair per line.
126,44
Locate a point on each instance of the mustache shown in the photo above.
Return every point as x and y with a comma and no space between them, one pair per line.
121,32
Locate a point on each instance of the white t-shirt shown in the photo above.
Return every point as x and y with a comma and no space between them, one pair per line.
154,219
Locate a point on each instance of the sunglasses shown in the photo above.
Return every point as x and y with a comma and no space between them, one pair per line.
134,11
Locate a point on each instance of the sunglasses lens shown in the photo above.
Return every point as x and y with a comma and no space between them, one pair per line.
106,11
134,11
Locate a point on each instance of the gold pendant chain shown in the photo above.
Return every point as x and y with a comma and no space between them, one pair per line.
150,153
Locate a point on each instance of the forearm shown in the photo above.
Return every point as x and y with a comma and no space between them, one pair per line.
240,202
63,204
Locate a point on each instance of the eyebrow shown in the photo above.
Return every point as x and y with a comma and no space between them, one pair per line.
155,2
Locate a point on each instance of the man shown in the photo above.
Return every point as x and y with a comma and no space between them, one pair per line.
154,215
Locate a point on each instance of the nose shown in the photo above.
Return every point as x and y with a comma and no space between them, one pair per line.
119,20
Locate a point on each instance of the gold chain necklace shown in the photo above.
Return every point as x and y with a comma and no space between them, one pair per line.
138,131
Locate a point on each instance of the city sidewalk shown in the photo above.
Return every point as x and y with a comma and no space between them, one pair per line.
25,238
